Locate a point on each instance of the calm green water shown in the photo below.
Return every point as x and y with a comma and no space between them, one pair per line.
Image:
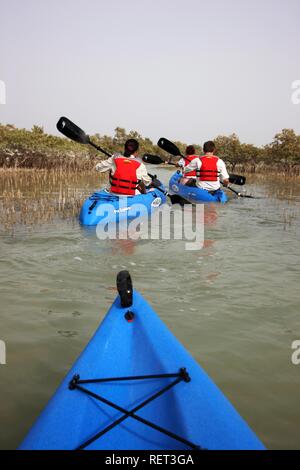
234,304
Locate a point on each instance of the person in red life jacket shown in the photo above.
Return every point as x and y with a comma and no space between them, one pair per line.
128,175
210,169
189,177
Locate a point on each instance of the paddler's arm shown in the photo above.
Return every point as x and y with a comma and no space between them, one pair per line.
180,163
223,173
194,165
105,165
142,175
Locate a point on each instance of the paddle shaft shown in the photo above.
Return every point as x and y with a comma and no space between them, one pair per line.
173,150
100,149
151,176
174,164
240,194
73,132
109,155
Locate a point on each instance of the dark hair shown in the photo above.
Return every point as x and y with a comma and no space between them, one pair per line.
190,150
209,146
131,146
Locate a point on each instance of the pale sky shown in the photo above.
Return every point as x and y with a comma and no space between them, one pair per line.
187,70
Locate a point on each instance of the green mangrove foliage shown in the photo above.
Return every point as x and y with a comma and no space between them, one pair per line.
21,148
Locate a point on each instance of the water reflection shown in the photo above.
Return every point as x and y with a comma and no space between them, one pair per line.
234,304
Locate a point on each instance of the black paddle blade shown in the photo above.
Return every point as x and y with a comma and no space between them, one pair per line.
169,147
69,129
175,199
154,159
237,179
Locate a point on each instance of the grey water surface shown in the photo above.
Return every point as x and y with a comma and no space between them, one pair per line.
234,304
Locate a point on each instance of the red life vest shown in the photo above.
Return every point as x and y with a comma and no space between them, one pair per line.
187,161
124,180
209,170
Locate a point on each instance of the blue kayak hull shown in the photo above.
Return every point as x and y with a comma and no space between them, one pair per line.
193,194
196,410
105,207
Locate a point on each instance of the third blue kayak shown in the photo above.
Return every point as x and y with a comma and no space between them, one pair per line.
193,194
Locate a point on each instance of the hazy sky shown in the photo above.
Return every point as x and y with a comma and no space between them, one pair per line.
188,70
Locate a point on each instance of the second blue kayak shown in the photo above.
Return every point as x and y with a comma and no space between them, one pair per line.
107,207
135,387
193,194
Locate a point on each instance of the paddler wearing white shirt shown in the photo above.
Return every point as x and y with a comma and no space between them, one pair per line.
210,169
127,174
190,154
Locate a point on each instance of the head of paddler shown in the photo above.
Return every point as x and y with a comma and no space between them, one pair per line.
190,150
209,147
131,148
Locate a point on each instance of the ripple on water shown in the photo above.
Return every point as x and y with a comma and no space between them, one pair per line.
234,305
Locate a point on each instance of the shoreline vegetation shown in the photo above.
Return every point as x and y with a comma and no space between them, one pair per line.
31,197
22,148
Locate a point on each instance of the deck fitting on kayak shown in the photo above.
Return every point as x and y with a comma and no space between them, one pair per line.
180,376
92,206
129,316
185,375
73,383
124,286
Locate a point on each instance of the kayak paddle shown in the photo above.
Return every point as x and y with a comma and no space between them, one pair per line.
73,132
237,179
156,160
171,148
241,194
69,129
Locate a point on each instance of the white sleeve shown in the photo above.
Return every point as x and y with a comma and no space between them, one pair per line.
105,165
222,170
181,162
194,165
142,174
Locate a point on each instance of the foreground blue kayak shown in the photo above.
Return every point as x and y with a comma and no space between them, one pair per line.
194,194
105,207
136,387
